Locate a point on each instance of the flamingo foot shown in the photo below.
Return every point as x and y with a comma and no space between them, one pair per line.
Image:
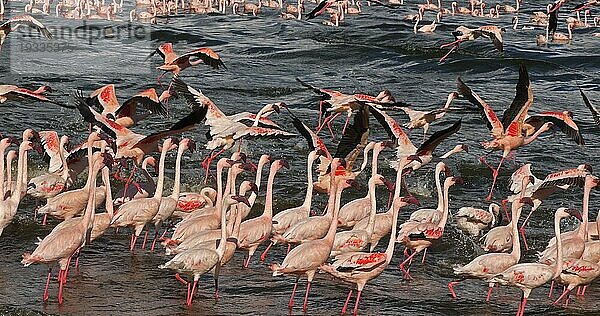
522,231
451,288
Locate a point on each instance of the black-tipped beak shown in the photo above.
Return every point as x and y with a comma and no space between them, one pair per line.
191,146
320,152
465,148
575,213
414,158
284,163
276,108
412,200
253,187
243,157
389,144
175,140
231,162
241,199
107,160
389,184
459,180
248,166
353,183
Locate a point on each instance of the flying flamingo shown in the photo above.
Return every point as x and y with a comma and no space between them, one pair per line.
463,34
198,261
223,131
23,20
12,92
283,220
254,232
488,265
307,257
508,133
528,276
168,204
64,240
137,213
9,206
420,236
176,64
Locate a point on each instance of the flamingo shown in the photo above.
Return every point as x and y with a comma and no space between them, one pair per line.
361,267
422,119
64,240
463,34
428,215
261,117
254,231
508,133
4,143
198,261
57,178
473,220
355,210
169,203
307,257
71,203
176,64
420,236
529,276
285,219
191,201
383,221
137,213
138,189
488,265
22,20
263,160
223,131
12,92
9,205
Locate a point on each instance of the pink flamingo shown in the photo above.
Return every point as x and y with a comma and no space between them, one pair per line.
24,20
9,206
4,143
57,178
245,211
488,265
528,276
307,257
136,190
191,201
472,220
428,215
137,213
422,119
64,240
254,232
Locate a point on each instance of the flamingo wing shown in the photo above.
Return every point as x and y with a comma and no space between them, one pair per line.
432,142
314,141
494,33
112,128
104,99
360,262
561,120
207,55
162,50
595,113
51,143
394,130
262,131
493,123
319,9
28,94
569,177
522,102
355,139
25,20
147,100
195,98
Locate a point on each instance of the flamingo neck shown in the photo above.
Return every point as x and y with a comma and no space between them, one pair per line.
389,251
268,211
438,185
2,170
309,188
373,201
366,151
108,200
559,254
337,193
177,184
374,159
88,216
8,176
444,219
530,139
21,167
63,159
221,248
161,174
516,245
584,223
219,200
261,164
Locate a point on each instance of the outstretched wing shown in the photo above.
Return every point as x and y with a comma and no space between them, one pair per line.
195,98
26,20
207,55
319,9
569,177
112,128
561,120
314,141
162,50
522,101
355,139
430,144
145,99
493,123
51,143
595,113
394,130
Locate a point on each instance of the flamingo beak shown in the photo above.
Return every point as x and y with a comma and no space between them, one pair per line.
527,200
575,213
284,163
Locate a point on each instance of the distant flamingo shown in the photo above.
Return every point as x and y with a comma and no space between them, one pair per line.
422,119
254,232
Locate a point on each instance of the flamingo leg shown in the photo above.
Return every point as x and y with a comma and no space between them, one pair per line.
346,124
291,303
551,288
180,279
44,220
133,241
563,295
154,241
47,284
60,286
208,160
145,237
424,253
193,292
306,297
158,80
320,113
451,288
504,208
522,231
583,291
187,296
356,304
329,125
263,256
346,303
523,305
495,174
289,248
489,293
407,260
453,49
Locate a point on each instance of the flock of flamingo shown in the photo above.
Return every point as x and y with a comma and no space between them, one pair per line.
203,230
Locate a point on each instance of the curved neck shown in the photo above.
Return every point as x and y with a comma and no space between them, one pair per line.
309,188
365,156
161,173
336,193
268,212
223,241
559,255
516,245
533,137
447,185
373,201
21,167
389,252
584,223
63,159
88,216
108,202
374,159
219,200
177,184
8,176
2,169
228,185
261,164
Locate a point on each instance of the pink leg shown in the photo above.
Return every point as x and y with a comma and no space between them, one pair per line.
187,296
209,160
504,208
158,80
320,113
154,241
306,297
133,241
289,248
145,237
180,279
583,291
424,253
291,303
263,256
495,174
247,261
451,43
489,294
356,304
522,231
406,274
578,291
523,305
551,288
192,293
563,295
67,270
60,287
453,49
346,124
44,220
47,284
329,125
346,303
451,288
